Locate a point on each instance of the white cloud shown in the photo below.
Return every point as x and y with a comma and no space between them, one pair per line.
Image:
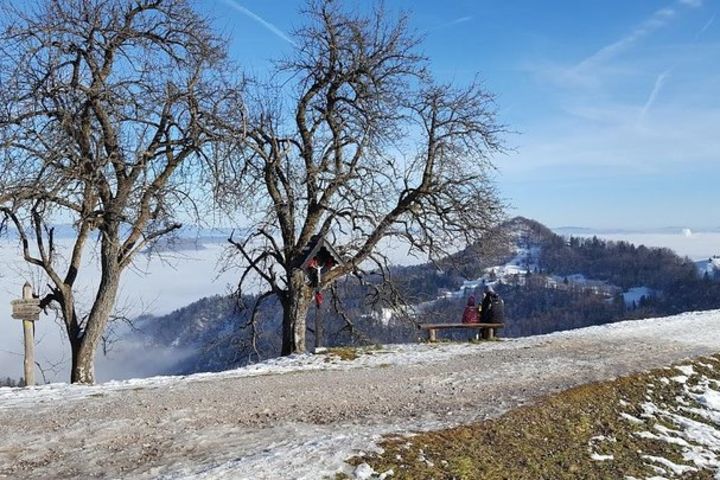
458,20
657,20
450,23
608,138
707,25
592,70
659,81
269,26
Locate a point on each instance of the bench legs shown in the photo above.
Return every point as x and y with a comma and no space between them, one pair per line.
488,333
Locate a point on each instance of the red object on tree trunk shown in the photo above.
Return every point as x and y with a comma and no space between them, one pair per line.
318,299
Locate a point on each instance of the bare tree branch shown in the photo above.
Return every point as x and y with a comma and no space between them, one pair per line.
367,149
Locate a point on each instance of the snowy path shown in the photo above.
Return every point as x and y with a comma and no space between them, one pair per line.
301,417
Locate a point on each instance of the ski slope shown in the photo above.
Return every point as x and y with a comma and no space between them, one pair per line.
301,417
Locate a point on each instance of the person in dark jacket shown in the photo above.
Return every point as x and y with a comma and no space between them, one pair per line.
470,315
493,308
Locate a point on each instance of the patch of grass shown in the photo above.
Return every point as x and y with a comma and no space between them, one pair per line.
341,353
552,439
351,353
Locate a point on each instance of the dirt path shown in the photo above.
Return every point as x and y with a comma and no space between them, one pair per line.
302,424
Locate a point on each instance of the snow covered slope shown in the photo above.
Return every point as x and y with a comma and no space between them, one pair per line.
711,267
300,417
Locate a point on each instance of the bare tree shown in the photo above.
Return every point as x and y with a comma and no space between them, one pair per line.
109,111
367,148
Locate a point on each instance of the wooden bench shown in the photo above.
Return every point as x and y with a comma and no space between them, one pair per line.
487,329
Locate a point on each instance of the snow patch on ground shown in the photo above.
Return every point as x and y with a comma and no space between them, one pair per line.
695,429
686,370
596,442
524,261
634,295
674,467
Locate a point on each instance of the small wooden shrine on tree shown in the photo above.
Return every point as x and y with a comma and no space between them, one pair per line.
320,257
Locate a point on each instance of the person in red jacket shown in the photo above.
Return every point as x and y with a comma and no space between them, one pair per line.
470,315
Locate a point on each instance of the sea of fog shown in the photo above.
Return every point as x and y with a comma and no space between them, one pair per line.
696,245
156,284
160,284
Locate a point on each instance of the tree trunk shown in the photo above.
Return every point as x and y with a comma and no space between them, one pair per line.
72,328
81,370
296,303
83,361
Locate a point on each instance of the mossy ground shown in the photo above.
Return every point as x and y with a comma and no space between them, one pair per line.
551,439
350,353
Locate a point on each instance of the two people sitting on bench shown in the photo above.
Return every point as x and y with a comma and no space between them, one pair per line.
492,309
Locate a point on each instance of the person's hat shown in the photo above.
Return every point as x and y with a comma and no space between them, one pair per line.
488,289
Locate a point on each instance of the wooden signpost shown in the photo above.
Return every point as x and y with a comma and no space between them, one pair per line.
28,310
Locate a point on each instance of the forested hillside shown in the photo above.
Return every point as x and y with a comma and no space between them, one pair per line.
677,284
619,263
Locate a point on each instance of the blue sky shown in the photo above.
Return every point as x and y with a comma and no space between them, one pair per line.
616,103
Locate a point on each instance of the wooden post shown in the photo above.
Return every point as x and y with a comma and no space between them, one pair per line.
318,327
27,309
433,334
29,363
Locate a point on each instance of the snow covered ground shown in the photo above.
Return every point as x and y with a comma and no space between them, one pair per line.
301,417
